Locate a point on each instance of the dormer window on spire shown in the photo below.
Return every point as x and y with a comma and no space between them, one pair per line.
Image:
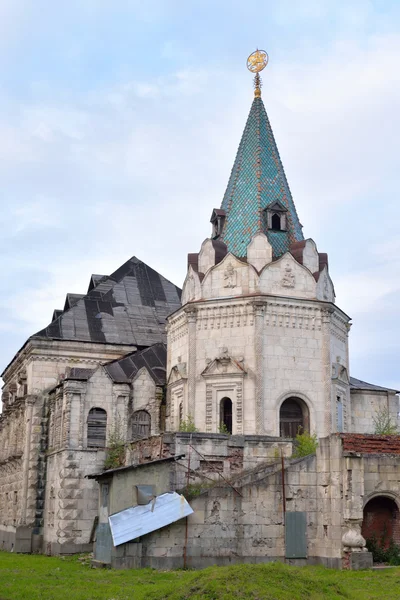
276,216
217,221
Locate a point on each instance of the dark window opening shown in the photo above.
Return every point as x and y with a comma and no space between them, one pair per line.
96,428
293,418
141,424
276,222
226,415
215,225
339,413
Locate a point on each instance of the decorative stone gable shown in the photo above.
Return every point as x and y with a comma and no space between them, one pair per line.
191,287
286,277
231,277
206,256
259,251
325,289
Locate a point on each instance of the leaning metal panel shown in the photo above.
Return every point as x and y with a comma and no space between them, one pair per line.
132,523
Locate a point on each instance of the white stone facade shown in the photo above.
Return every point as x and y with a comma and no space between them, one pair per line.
258,332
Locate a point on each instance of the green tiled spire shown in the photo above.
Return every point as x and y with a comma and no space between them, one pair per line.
257,180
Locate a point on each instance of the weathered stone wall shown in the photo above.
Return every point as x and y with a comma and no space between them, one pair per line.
71,503
243,521
10,501
21,484
71,499
146,397
365,406
208,456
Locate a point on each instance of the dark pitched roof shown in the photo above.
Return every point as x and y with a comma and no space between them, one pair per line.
357,384
71,300
129,307
153,358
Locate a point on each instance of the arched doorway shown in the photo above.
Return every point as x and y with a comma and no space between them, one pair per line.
226,415
381,522
294,417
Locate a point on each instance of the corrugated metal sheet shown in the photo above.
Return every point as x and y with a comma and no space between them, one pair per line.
139,520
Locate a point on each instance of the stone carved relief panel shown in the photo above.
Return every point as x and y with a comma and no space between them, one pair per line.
230,277
288,279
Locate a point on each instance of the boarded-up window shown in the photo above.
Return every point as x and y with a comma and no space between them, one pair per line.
96,428
140,424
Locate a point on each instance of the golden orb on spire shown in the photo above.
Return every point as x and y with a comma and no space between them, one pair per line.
257,61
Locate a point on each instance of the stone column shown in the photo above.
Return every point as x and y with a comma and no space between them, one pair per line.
191,318
258,309
327,368
29,403
66,420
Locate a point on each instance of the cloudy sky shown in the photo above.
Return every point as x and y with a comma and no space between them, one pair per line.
119,124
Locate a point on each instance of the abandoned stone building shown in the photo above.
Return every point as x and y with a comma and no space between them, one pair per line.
254,350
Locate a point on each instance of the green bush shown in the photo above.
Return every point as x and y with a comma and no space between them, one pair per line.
223,429
380,554
115,456
188,425
384,424
304,444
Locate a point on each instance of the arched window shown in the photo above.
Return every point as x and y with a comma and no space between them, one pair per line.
96,428
141,424
276,222
226,415
293,418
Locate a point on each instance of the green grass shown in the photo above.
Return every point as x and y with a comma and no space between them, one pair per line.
24,577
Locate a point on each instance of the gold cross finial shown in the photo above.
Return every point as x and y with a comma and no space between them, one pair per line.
256,63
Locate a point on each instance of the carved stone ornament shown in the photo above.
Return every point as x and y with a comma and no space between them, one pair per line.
352,540
230,277
288,279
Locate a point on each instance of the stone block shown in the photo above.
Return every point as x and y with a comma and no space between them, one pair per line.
360,560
